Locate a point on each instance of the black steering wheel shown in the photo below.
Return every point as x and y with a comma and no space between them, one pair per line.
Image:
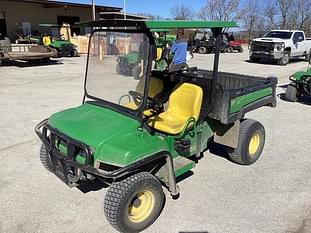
151,103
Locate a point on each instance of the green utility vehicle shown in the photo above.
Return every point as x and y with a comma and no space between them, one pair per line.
300,84
126,63
129,64
139,135
53,39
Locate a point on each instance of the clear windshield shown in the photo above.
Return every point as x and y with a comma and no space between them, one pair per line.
55,33
117,67
279,34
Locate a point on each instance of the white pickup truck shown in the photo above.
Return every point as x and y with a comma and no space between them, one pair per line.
280,45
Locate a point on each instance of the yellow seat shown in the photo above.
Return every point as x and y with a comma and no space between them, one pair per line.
46,40
159,54
155,87
184,103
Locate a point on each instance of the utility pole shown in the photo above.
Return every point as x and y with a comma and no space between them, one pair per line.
124,9
93,10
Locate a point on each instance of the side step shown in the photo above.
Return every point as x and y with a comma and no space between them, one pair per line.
182,165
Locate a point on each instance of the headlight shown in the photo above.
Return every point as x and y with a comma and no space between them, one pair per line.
279,46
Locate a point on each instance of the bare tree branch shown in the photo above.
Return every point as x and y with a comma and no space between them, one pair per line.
223,10
284,7
182,12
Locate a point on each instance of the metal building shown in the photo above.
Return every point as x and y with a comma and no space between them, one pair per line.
24,16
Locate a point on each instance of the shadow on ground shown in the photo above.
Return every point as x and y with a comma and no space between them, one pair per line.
274,62
218,150
91,186
25,64
193,232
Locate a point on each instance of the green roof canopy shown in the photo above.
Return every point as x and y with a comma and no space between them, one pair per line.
189,24
156,24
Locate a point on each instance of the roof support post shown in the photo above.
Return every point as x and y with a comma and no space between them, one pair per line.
217,32
93,10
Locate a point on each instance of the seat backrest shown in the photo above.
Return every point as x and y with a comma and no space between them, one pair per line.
186,100
46,40
159,54
155,86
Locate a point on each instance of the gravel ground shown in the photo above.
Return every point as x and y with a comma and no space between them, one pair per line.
273,195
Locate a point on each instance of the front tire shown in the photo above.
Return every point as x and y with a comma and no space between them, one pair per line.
308,56
285,59
291,92
250,143
45,158
119,69
133,204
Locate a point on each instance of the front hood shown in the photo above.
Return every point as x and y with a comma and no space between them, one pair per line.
300,74
90,124
114,136
269,39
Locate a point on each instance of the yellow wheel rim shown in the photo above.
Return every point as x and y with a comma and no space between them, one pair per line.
141,206
254,143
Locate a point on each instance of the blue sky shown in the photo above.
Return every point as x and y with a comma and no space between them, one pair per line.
154,7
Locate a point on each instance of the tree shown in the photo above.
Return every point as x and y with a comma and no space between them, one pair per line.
182,12
284,7
249,14
223,10
304,14
270,12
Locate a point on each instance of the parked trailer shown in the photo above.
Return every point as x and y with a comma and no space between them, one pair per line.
25,52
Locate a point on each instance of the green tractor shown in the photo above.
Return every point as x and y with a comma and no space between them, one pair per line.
138,136
55,40
129,64
300,85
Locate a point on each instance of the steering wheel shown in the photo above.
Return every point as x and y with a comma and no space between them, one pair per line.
137,97
151,103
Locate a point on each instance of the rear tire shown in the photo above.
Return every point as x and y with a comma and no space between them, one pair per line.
250,143
45,158
133,204
241,50
291,92
57,54
74,53
202,50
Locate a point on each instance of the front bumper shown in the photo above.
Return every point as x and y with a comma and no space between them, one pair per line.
273,55
66,163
